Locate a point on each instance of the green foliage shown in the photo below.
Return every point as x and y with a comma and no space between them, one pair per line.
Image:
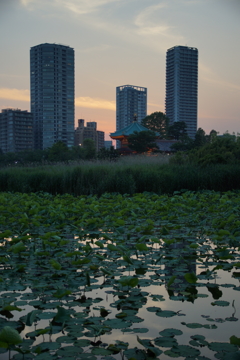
89,149
200,138
127,176
58,152
142,141
108,154
209,150
221,150
10,336
157,122
136,250
177,130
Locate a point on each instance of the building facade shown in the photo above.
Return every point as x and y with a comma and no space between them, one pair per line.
108,144
16,130
88,132
131,104
52,94
181,101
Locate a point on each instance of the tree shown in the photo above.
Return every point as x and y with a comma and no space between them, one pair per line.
58,152
89,149
185,144
77,153
212,136
177,130
157,122
108,154
142,141
200,138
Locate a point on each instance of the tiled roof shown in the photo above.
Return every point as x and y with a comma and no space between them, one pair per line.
129,130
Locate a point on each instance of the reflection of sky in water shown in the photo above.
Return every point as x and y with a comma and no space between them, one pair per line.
188,311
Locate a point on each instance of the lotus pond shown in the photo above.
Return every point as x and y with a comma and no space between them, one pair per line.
119,276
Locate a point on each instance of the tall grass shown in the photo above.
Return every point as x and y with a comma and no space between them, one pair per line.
128,175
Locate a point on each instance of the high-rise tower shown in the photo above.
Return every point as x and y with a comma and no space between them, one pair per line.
52,94
131,102
182,86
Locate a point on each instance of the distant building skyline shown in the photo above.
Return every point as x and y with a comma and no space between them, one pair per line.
52,94
16,130
131,103
89,131
181,102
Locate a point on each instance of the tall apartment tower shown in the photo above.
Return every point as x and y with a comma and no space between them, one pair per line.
52,94
182,86
131,102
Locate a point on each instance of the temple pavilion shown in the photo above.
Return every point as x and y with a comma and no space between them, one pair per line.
122,135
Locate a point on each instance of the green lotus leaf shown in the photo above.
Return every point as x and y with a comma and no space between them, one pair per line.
46,315
66,351
100,244
60,293
220,303
10,336
135,354
11,308
191,278
101,351
193,325
166,313
45,356
117,323
142,247
32,317
170,332
221,346
62,315
127,259
139,330
153,308
234,340
82,342
55,264
185,351
165,341
112,247
128,281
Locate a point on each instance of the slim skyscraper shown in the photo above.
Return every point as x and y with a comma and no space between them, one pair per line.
182,86
52,94
131,102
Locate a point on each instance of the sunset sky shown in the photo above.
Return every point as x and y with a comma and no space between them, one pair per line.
119,42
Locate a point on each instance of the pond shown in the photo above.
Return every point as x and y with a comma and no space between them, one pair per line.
120,277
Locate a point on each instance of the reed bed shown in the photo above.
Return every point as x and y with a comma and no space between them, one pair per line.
129,175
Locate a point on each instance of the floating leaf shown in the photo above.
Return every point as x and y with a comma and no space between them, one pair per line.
171,281
220,303
234,340
55,264
128,281
165,313
221,346
191,278
142,247
170,332
101,351
165,341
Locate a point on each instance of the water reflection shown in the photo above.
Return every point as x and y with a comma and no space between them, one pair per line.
102,310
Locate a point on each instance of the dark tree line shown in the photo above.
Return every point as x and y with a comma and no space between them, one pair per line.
203,149
58,152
